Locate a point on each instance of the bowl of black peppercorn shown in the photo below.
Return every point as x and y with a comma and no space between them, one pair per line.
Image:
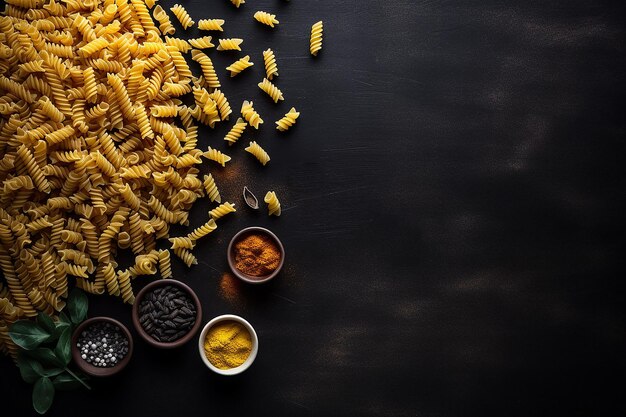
101,346
167,313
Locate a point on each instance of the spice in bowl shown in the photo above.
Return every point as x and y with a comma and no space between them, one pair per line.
103,345
227,344
167,313
257,255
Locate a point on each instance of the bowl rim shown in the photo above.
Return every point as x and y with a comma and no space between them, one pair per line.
144,335
248,362
249,278
86,367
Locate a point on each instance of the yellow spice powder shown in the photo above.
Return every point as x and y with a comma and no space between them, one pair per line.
227,344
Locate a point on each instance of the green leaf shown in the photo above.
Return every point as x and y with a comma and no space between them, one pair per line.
30,369
63,349
43,394
45,322
66,382
63,320
53,371
27,334
46,356
77,305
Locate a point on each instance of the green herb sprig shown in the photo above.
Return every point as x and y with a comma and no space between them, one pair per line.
46,351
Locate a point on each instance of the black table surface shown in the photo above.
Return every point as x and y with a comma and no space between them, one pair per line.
451,216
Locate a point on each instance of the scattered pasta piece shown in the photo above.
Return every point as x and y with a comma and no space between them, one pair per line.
288,120
208,227
250,115
236,131
230,44
258,152
201,43
182,16
165,24
239,65
217,156
271,90
237,3
211,189
186,256
165,264
271,69
316,37
266,18
222,210
211,24
273,205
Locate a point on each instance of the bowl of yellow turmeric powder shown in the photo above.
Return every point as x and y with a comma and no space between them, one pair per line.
228,344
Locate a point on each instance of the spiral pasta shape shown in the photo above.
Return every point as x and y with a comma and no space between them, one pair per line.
222,104
258,152
92,47
273,205
33,169
239,65
201,43
236,131
165,264
220,211
211,24
180,44
182,16
316,38
217,156
186,256
250,115
51,110
266,18
211,188
205,229
269,59
288,120
230,44
237,3
165,25
271,90
126,290
208,70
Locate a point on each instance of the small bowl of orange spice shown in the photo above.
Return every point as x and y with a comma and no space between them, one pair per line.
255,255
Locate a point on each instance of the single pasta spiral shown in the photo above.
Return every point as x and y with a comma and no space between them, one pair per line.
206,228
186,256
201,43
211,24
236,131
271,90
316,37
165,25
182,242
126,290
288,120
266,18
258,152
182,16
237,3
208,70
273,205
230,44
222,104
211,188
271,69
217,156
165,264
239,65
221,210
251,116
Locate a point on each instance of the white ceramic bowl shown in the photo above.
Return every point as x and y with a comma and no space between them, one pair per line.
243,366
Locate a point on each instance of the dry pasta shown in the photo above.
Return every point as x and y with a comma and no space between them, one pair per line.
221,210
273,205
182,16
266,18
288,120
239,65
258,152
271,69
230,44
271,90
316,38
250,115
237,3
236,131
211,24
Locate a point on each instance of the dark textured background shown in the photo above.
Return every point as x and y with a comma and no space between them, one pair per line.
451,219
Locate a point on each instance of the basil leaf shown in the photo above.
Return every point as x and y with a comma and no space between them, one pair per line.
30,369
27,334
63,320
45,322
66,382
63,349
77,304
53,371
46,356
43,395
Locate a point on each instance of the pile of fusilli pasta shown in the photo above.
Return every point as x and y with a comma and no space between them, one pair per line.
97,150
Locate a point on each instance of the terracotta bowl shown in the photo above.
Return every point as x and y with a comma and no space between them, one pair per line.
88,368
231,254
145,336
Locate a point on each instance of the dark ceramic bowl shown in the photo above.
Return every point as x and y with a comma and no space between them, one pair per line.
88,368
231,254
162,283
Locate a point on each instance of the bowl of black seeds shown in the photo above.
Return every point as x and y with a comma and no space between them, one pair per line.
167,313
101,346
